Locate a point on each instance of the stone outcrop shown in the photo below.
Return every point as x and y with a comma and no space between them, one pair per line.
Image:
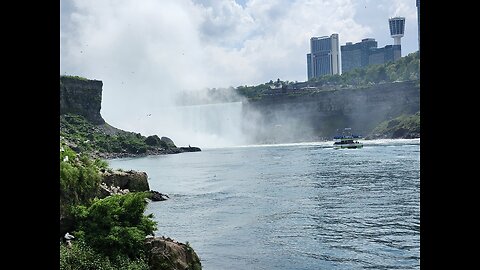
168,254
81,96
85,130
157,196
190,149
132,180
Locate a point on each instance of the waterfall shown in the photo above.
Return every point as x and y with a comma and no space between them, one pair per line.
205,125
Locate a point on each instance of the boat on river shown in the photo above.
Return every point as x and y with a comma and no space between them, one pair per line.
347,140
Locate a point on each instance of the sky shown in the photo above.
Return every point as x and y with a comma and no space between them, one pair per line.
147,51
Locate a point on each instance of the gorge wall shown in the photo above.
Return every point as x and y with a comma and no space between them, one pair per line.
307,116
81,96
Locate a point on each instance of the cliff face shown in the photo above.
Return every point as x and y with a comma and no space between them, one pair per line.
81,96
299,117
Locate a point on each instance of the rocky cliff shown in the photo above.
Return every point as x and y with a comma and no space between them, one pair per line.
84,130
303,116
81,96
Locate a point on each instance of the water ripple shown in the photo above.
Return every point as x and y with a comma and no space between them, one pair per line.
292,206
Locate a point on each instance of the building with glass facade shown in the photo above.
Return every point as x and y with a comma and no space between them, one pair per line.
364,53
358,54
323,58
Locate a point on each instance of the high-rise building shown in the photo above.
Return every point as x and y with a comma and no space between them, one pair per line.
358,54
366,53
323,58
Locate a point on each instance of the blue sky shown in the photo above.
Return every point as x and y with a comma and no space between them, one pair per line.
146,51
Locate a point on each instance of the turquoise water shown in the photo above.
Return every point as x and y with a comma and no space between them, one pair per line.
297,206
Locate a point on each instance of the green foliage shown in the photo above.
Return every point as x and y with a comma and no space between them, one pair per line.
79,177
404,124
252,91
116,225
82,257
89,138
110,232
404,69
153,140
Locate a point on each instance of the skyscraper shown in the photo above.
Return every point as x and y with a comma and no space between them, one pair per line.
323,58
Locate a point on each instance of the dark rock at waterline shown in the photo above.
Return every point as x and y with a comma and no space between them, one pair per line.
157,196
177,150
166,253
190,149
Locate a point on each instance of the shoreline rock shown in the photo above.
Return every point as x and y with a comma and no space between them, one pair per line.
166,253
156,196
134,181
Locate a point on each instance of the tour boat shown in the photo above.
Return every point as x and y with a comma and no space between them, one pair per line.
347,140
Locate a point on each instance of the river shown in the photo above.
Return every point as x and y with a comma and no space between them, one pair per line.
291,206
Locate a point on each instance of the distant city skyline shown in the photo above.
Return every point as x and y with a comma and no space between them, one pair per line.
366,52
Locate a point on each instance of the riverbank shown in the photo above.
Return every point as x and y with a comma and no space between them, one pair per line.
154,152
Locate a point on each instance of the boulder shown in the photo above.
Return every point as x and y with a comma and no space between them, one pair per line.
166,253
157,196
132,180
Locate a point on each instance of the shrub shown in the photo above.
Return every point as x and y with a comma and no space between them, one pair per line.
116,225
82,257
79,176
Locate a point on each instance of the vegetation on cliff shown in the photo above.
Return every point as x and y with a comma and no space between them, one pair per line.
106,141
404,126
109,231
79,177
406,68
116,225
104,208
81,256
